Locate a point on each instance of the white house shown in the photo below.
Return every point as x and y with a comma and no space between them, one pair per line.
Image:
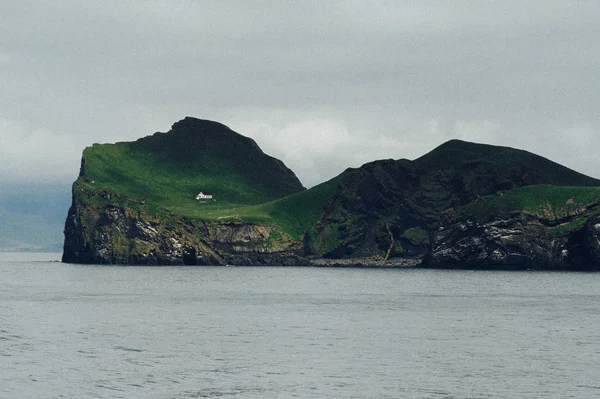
202,196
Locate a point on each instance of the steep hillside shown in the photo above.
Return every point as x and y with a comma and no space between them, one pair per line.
538,227
135,202
196,155
297,213
472,169
389,207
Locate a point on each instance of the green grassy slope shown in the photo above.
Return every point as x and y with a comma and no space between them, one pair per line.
294,214
562,208
458,172
171,168
545,201
167,170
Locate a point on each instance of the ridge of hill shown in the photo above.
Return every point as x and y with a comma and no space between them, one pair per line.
391,207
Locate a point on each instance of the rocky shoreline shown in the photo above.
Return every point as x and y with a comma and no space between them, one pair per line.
519,241
371,262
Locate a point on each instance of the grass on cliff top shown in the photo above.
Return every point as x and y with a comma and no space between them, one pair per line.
546,201
126,169
294,214
172,168
137,174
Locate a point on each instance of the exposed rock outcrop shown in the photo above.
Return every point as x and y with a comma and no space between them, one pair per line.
519,241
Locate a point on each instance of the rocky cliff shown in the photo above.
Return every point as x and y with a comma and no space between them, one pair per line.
135,202
391,208
519,240
108,228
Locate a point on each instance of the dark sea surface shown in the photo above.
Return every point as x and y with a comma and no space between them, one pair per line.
75,331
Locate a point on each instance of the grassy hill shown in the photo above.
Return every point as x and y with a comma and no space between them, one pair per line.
294,214
388,198
297,213
168,170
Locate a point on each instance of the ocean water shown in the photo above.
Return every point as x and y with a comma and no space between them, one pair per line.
75,331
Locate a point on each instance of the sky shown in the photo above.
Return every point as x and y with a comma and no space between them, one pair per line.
321,85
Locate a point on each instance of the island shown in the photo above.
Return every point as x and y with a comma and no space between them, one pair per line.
202,194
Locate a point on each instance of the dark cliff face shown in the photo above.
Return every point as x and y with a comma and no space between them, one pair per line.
392,207
519,241
371,212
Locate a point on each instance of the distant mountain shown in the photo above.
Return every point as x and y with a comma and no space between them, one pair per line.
136,203
32,217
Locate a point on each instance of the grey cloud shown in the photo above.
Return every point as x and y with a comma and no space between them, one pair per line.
399,77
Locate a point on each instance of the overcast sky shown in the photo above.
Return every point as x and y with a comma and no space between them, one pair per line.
321,85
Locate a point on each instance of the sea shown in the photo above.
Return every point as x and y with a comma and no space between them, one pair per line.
91,331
